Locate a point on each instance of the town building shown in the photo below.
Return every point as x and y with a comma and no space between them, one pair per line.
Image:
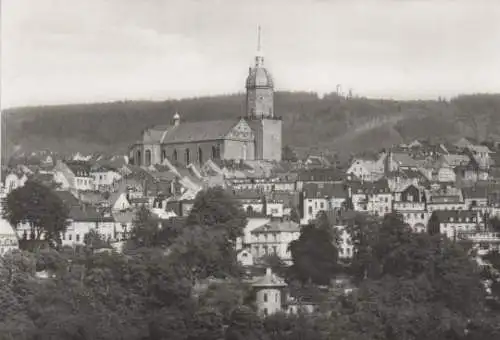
269,293
411,205
454,223
273,238
371,197
318,197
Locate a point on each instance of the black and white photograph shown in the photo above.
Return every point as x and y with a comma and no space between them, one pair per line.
250,170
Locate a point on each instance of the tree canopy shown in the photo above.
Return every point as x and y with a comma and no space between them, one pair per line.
315,253
38,206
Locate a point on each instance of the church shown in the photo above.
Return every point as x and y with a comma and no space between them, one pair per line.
257,136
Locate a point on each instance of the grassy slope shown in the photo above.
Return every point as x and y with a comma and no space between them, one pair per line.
310,123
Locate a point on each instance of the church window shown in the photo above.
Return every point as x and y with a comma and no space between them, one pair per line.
188,156
174,155
200,156
148,157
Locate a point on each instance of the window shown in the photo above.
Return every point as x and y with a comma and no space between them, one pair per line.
70,237
322,205
174,155
265,297
265,311
187,156
214,152
148,157
275,249
163,155
200,156
77,237
275,297
310,210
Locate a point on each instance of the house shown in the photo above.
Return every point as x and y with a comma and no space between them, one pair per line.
274,237
118,201
475,197
411,205
83,219
254,221
345,245
74,175
316,197
448,198
472,172
454,223
245,257
367,169
400,179
328,175
104,177
317,162
14,180
374,198
8,236
397,160
269,293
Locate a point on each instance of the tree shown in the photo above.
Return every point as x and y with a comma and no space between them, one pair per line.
410,279
244,325
433,225
288,154
216,209
315,253
294,215
40,207
494,223
276,264
145,230
94,240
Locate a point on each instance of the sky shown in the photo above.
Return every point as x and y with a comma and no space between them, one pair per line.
80,51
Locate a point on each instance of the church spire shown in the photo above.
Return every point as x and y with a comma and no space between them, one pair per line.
259,57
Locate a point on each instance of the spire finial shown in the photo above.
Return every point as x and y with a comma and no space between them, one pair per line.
258,40
259,58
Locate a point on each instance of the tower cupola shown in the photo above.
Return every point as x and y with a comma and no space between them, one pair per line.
259,86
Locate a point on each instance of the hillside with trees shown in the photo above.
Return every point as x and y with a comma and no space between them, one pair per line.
339,124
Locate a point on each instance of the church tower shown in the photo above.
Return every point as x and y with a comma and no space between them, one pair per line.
260,109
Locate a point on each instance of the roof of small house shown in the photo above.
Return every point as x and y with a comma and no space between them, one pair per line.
276,226
67,197
464,216
475,192
269,280
79,168
84,213
321,175
322,190
6,228
377,187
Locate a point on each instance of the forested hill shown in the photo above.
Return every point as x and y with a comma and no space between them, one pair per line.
310,123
